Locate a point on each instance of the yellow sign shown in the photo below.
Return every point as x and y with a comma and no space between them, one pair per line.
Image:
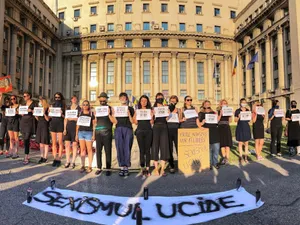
193,150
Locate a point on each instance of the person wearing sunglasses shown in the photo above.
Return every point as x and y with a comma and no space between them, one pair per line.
85,134
13,128
188,109
258,130
104,135
27,125
3,130
57,129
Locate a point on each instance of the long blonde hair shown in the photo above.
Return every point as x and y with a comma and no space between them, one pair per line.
202,106
220,104
44,103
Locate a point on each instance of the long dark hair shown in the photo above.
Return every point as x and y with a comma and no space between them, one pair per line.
148,106
88,103
158,94
15,98
184,105
62,98
274,103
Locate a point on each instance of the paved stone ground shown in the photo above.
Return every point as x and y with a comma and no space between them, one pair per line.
278,179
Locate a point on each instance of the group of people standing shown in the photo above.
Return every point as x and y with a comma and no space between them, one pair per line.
76,126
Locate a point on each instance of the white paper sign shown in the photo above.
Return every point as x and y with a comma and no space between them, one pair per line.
173,118
260,110
245,116
190,114
143,114
72,114
211,118
227,111
84,121
161,111
10,111
55,111
38,111
101,111
296,117
23,110
121,111
279,113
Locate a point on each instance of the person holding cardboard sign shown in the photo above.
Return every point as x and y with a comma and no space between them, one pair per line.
3,129
242,132
189,114
258,129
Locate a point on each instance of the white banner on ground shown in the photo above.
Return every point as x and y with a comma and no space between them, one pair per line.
177,210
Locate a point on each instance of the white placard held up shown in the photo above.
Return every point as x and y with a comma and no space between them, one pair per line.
161,111
38,111
245,116
211,118
72,114
84,121
143,114
260,110
23,109
101,111
55,111
121,111
227,111
296,117
190,114
10,111
173,118
279,113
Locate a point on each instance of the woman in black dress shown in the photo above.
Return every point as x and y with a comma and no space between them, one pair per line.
42,131
27,125
242,132
57,129
3,128
190,122
293,128
258,130
224,132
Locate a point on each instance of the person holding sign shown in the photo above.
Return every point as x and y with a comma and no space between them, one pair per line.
189,114
144,132
209,119
276,129
124,136
70,132
104,135
85,134
57,128
13,128
293,128
258,129
3,129
224,132
160,141
242,132
42,132
27,125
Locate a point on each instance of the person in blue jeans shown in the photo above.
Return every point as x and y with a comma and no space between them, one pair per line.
214,138
124,136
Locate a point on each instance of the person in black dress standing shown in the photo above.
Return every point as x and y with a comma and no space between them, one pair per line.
258,130
242,132
3,130
293,128
224,132
191,121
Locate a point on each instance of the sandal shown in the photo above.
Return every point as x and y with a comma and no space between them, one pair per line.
8,155
67,165
25,161
88,170
121,173
82,169
164,174
126,172
73,165
15,156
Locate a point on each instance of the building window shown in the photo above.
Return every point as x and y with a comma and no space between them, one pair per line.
30,87
182,43
110,9
61,15
164,25
30,69
276,83
93,73
217,29
198,10
49,78
275,63
18,64
41,74
76,47
289,80
128,8
199,28
165,72
200,72
76,13
40,91
164,43
146,72
19,44
182,27
50,62
146,26
4,57
128,72
201,95
93,10
164,7
232,14
181,8
289,57
128,26
146,7
76,31
110,27
110,93
77,73
93,45
128,43
93,28
110,44
217,45
93,96
200,44
183,93
217,12
146,43
128,92
110,72
218,95
182,72
147,93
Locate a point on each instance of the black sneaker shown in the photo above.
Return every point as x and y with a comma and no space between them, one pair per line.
58,163
108,173
217,166
41,160
126,172
45,160
98,172
54,163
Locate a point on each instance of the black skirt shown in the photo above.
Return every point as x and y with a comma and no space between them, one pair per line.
293,134
42,132
225,135
57,125
71,131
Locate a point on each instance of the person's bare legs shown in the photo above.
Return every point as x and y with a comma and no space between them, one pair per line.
156,168
257,146
12,142
82,152
162,170
61,145
74,148
68,148
90,152
54,146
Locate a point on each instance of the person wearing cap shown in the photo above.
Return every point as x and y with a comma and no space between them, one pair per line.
104,135
124,136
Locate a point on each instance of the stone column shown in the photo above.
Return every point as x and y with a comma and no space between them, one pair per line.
2,7
84,78
226,88
174,74
137,81
68,78
193,81
206,77
257,70
268,64
280,58
46,78
156,73
119,74
248,75
37,70
26,63
222,77
13,55
101,72
229,79
210,77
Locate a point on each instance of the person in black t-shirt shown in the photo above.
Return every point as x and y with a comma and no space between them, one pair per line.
3,129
